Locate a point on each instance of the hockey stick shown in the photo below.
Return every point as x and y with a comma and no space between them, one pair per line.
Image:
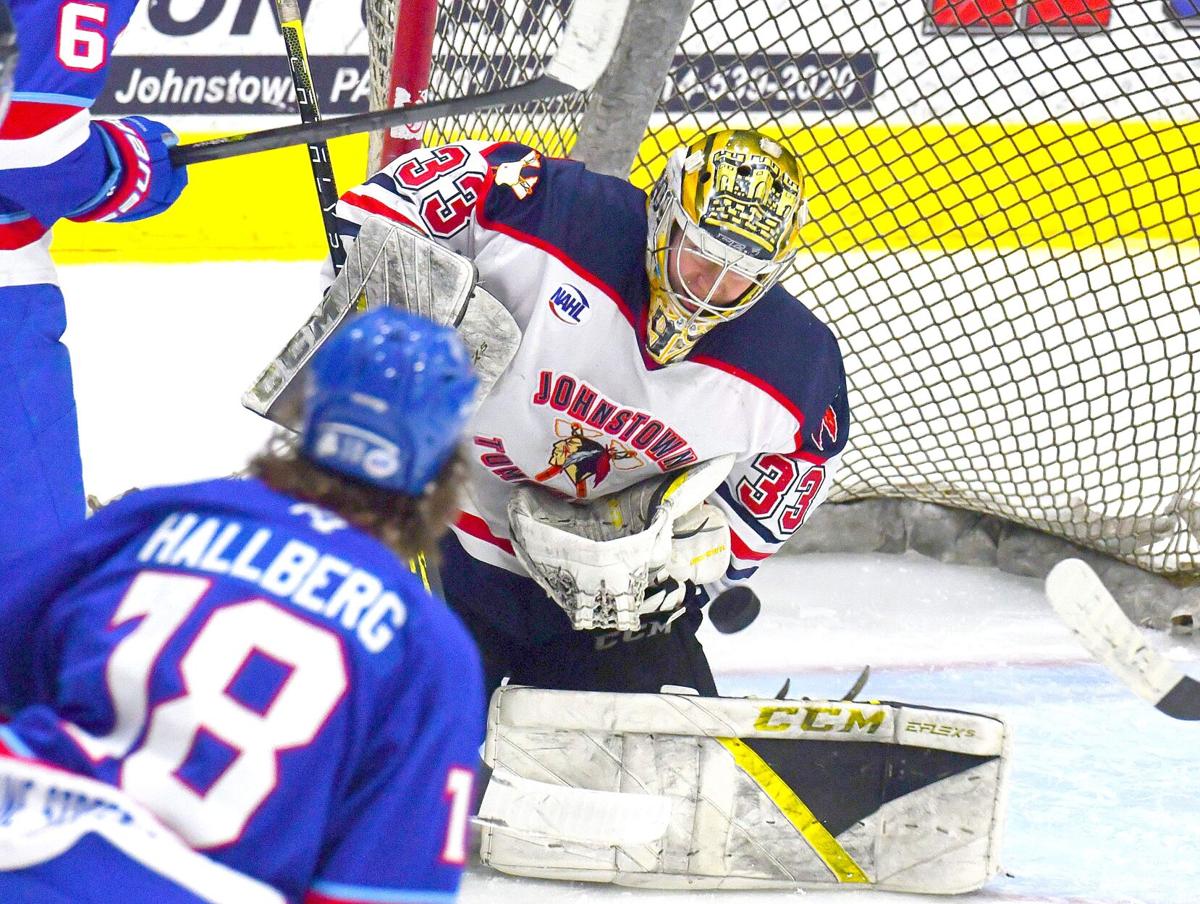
292,26
1083,602
589,38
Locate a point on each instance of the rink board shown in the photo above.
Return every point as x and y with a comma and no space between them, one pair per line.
877,188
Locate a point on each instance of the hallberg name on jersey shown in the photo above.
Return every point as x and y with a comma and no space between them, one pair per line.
310,580
641,430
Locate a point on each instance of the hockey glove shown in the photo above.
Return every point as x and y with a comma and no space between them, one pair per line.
597,560
699,555
142,182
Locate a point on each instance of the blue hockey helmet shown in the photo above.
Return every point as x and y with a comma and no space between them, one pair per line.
388,396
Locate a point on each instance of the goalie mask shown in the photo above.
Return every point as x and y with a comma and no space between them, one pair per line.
724,223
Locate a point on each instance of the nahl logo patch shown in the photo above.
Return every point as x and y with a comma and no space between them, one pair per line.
570,305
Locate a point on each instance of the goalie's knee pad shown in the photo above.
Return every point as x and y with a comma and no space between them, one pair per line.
667,791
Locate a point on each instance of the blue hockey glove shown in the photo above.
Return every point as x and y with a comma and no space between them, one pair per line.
142,182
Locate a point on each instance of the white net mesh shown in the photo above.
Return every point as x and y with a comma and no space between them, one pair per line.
481,45
1005,202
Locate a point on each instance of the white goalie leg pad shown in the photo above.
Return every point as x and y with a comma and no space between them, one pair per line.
758,793
391,265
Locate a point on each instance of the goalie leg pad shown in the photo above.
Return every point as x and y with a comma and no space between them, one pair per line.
762,793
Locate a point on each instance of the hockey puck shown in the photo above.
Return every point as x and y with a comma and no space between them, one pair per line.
734,610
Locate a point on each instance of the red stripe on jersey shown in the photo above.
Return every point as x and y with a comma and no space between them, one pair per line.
7,752
27,119
559,255
808,457
315,897
478,528
21,233
744,552
762,385
371,205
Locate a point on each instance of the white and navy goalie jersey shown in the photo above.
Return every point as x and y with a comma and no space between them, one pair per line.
583,409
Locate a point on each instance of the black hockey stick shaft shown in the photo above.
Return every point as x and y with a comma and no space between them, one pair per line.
292,27
1182,701
541,88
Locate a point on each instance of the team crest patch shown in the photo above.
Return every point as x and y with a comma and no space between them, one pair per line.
520,175
570,305
580,458
828,428
589,415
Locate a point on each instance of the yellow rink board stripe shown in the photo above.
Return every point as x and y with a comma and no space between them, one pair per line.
995,186
256,207
832,854
878,188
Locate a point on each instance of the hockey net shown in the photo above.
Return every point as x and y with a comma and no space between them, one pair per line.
1005,197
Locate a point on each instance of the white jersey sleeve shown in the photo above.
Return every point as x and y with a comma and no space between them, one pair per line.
432,190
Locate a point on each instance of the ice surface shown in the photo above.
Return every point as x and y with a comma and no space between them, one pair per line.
1105,799
161,355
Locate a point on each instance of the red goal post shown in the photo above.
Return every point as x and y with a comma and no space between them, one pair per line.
401,56
1005,230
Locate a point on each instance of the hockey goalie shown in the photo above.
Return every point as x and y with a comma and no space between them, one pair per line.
656,417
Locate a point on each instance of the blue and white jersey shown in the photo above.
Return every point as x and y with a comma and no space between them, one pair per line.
53,160
583,409
269,682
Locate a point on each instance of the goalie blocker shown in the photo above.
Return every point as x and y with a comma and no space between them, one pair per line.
676,791
391,266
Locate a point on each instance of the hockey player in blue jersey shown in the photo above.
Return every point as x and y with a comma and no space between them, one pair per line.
248,670
655,336
55,162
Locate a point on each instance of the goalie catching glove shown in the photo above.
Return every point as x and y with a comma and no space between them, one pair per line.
609,561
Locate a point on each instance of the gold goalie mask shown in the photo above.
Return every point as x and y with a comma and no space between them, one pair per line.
724,222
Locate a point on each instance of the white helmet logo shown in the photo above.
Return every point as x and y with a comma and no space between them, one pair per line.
327,443
381,463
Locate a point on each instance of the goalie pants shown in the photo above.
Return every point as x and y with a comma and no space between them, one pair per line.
41,476
524,636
